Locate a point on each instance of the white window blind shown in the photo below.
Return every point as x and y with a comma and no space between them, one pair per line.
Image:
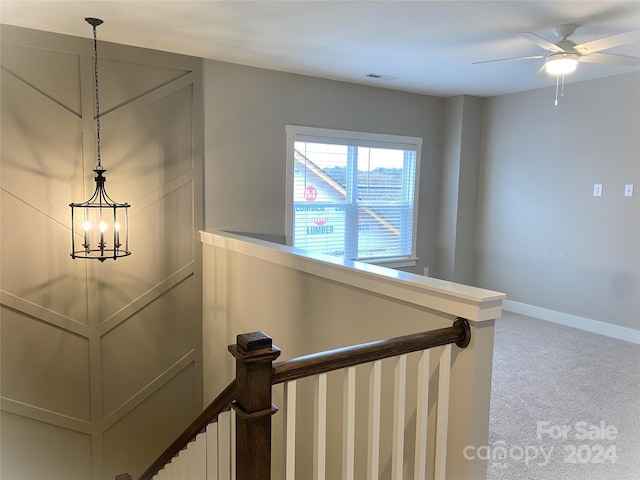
352,194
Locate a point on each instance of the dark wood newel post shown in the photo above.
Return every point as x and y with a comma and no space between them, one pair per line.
254,354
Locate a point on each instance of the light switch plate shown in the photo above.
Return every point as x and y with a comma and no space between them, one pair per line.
628,190
597,189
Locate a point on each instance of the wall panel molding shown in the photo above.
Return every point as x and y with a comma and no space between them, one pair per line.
148,390
43,314
145,299
46,416
22,87
147,98
165,190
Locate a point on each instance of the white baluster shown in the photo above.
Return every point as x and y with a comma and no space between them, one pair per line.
422,415
373,448
200,456
320,426
212,451
232,442
224,446
186,463
161,475
181,464
290,394
399,402
170,469
442,416
349,424
178,472
188,460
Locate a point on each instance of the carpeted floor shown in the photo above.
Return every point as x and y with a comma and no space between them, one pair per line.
565,404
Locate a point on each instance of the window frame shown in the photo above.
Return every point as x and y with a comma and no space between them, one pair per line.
375,140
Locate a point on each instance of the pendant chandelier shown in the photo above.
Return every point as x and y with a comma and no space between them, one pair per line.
101,223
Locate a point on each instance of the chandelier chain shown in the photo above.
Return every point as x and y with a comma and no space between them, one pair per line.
95,69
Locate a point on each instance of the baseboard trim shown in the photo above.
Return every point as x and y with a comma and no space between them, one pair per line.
581,323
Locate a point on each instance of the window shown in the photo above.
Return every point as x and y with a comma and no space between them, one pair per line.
353,195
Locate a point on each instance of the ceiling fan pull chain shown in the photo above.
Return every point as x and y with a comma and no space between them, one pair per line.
557,82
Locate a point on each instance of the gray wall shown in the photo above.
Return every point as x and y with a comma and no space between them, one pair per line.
246,111
543,237
461,158
505,186
101,363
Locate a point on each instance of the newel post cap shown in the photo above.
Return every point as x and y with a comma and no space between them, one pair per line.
254,347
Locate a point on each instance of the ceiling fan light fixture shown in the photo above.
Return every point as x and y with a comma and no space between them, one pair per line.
561,63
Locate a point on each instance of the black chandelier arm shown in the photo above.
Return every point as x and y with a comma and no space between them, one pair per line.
100,197
93,204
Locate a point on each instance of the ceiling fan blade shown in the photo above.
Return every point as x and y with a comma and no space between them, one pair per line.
512,58
542,72
611,59
609,42
542,42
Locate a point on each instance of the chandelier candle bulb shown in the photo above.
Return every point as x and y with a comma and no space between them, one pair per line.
103,228
86,226
116,227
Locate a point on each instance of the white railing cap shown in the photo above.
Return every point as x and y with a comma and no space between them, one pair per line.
473,303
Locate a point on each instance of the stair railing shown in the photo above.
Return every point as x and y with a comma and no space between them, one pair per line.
250,396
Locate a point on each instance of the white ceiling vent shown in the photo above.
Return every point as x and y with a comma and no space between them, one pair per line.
378,76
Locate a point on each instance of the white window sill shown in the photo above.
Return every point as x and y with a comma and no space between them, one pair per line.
392,262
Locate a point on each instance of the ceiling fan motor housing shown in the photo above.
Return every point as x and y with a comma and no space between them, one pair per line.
564,31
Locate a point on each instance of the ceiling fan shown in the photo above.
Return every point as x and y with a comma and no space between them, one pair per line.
563,55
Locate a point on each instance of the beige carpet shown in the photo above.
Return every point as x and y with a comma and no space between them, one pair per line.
565,404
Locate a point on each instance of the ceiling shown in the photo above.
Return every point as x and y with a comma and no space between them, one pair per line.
418,46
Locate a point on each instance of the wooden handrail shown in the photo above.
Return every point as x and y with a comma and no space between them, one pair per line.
315,364
208,415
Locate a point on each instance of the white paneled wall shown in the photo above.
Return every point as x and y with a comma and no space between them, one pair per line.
92,353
